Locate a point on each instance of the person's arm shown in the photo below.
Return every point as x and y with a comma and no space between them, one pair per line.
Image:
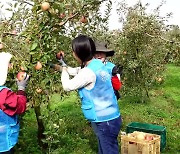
73,71
116,82
84,78
13,103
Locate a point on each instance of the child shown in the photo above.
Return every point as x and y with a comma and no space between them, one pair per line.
102,52
11,105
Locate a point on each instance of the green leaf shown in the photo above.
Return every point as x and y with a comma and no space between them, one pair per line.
34,46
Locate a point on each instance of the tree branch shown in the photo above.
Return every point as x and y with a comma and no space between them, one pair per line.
69,18
24,2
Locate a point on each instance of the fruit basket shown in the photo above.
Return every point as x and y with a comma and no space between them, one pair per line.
148,128
140,143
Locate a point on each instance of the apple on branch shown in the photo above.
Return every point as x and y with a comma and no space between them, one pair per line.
38,66
83,19
21,76
45,6
60,55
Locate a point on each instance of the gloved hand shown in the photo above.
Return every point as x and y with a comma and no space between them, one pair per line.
60,57
23,83
61,61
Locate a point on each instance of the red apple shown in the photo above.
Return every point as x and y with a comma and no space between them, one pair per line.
60,54
38,66
21,76
83,19
149,137
1,46
45,6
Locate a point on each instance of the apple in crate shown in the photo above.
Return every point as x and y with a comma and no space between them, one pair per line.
21,76
149,137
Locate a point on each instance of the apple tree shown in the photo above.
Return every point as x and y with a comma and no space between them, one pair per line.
140,49
173,47
43,29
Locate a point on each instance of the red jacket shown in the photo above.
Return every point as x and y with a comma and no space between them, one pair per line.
116,83
12,103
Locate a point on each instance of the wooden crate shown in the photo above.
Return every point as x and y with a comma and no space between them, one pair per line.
134,143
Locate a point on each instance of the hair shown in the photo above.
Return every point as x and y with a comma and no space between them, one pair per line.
84,48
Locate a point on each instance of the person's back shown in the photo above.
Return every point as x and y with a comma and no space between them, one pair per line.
99,103
100,99
102,52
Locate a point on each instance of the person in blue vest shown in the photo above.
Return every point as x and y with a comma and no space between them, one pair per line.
11,105
99,103
102,53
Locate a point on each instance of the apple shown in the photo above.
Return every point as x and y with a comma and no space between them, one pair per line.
38,90
140,136
45,6
1,46
83,19
21,76
38,66
60,54
149,137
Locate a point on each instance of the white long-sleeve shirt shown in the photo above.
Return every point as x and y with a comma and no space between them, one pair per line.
82,78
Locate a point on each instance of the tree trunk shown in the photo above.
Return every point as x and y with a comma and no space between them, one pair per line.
41,128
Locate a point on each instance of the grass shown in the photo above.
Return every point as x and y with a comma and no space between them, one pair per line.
70,133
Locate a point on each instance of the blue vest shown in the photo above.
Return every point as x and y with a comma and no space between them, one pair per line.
9,130
99,104
109,67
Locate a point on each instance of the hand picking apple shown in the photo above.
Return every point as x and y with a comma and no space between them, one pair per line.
22,78
60,57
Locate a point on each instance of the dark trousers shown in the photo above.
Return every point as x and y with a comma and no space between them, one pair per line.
107,133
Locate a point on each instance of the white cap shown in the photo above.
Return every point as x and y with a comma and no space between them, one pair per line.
4,62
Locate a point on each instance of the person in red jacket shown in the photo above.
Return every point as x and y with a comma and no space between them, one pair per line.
102,52
11,105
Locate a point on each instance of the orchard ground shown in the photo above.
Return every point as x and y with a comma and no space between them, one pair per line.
73,134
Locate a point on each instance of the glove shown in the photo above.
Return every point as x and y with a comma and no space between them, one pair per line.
22,84
60,57
61,61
